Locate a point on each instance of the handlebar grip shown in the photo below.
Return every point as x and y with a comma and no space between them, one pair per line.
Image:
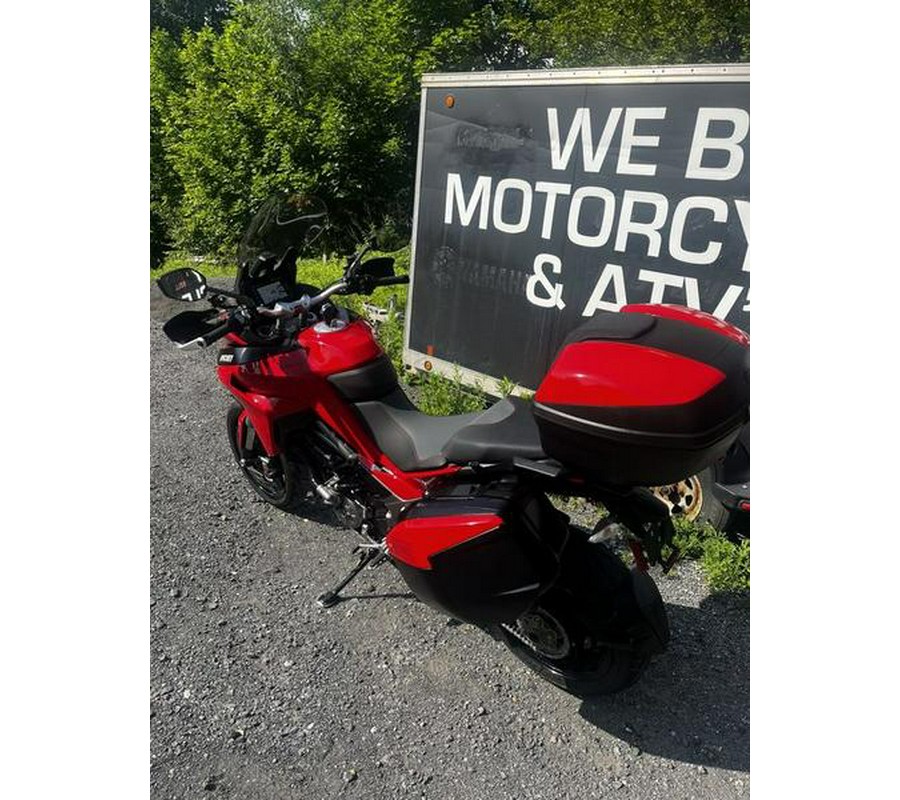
233,323
392,281
216,333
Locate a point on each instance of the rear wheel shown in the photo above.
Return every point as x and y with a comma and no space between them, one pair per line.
272,477
594,631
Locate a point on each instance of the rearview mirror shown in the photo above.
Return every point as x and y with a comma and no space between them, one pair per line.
183,284
382,267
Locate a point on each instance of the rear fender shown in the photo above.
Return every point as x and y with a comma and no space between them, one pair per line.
636,508
648,518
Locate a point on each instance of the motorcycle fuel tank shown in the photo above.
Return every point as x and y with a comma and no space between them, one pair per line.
332,350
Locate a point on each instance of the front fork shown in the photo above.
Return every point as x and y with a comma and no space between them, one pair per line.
247,439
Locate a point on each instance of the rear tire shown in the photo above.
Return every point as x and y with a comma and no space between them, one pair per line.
594,631
272,477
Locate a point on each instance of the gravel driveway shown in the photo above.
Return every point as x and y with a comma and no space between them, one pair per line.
255,692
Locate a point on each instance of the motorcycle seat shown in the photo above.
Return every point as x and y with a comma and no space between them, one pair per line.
416,441
506,430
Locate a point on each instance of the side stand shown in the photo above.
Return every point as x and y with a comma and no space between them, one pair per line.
369,554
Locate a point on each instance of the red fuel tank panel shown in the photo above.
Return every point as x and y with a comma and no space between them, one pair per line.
335,351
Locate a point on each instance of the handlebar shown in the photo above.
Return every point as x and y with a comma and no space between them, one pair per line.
242,315
393,281
305,303
322,296
234,322
216,333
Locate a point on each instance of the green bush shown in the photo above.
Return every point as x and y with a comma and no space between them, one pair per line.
442,396
390,337
261,95
725,564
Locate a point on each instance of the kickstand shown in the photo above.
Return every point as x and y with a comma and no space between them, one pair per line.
367,555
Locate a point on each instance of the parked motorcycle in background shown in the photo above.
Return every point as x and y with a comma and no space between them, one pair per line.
459,504
718,496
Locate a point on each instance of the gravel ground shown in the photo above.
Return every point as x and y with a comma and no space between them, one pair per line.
255,692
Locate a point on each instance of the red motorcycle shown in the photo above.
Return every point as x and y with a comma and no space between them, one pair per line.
459,504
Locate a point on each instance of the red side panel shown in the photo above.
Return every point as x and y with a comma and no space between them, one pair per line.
287,383
598,373
414,541
693,316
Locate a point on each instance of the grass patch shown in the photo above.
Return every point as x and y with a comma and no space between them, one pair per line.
442,396
210,266
725,564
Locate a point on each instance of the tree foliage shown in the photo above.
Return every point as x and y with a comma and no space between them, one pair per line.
250,96
581,33
176,16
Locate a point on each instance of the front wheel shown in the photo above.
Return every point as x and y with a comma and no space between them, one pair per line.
594,631
271,477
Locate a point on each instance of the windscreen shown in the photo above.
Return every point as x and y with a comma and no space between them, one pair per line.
284,220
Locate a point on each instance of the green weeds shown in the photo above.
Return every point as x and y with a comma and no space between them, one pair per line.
442,396
725,563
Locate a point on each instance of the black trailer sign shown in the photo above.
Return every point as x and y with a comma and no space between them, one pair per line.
542,197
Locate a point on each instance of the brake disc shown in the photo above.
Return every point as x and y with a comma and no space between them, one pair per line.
543,633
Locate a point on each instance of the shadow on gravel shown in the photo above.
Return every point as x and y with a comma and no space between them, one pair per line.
693,702
381,596
314,511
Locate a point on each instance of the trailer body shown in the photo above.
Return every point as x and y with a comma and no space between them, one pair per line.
543,197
